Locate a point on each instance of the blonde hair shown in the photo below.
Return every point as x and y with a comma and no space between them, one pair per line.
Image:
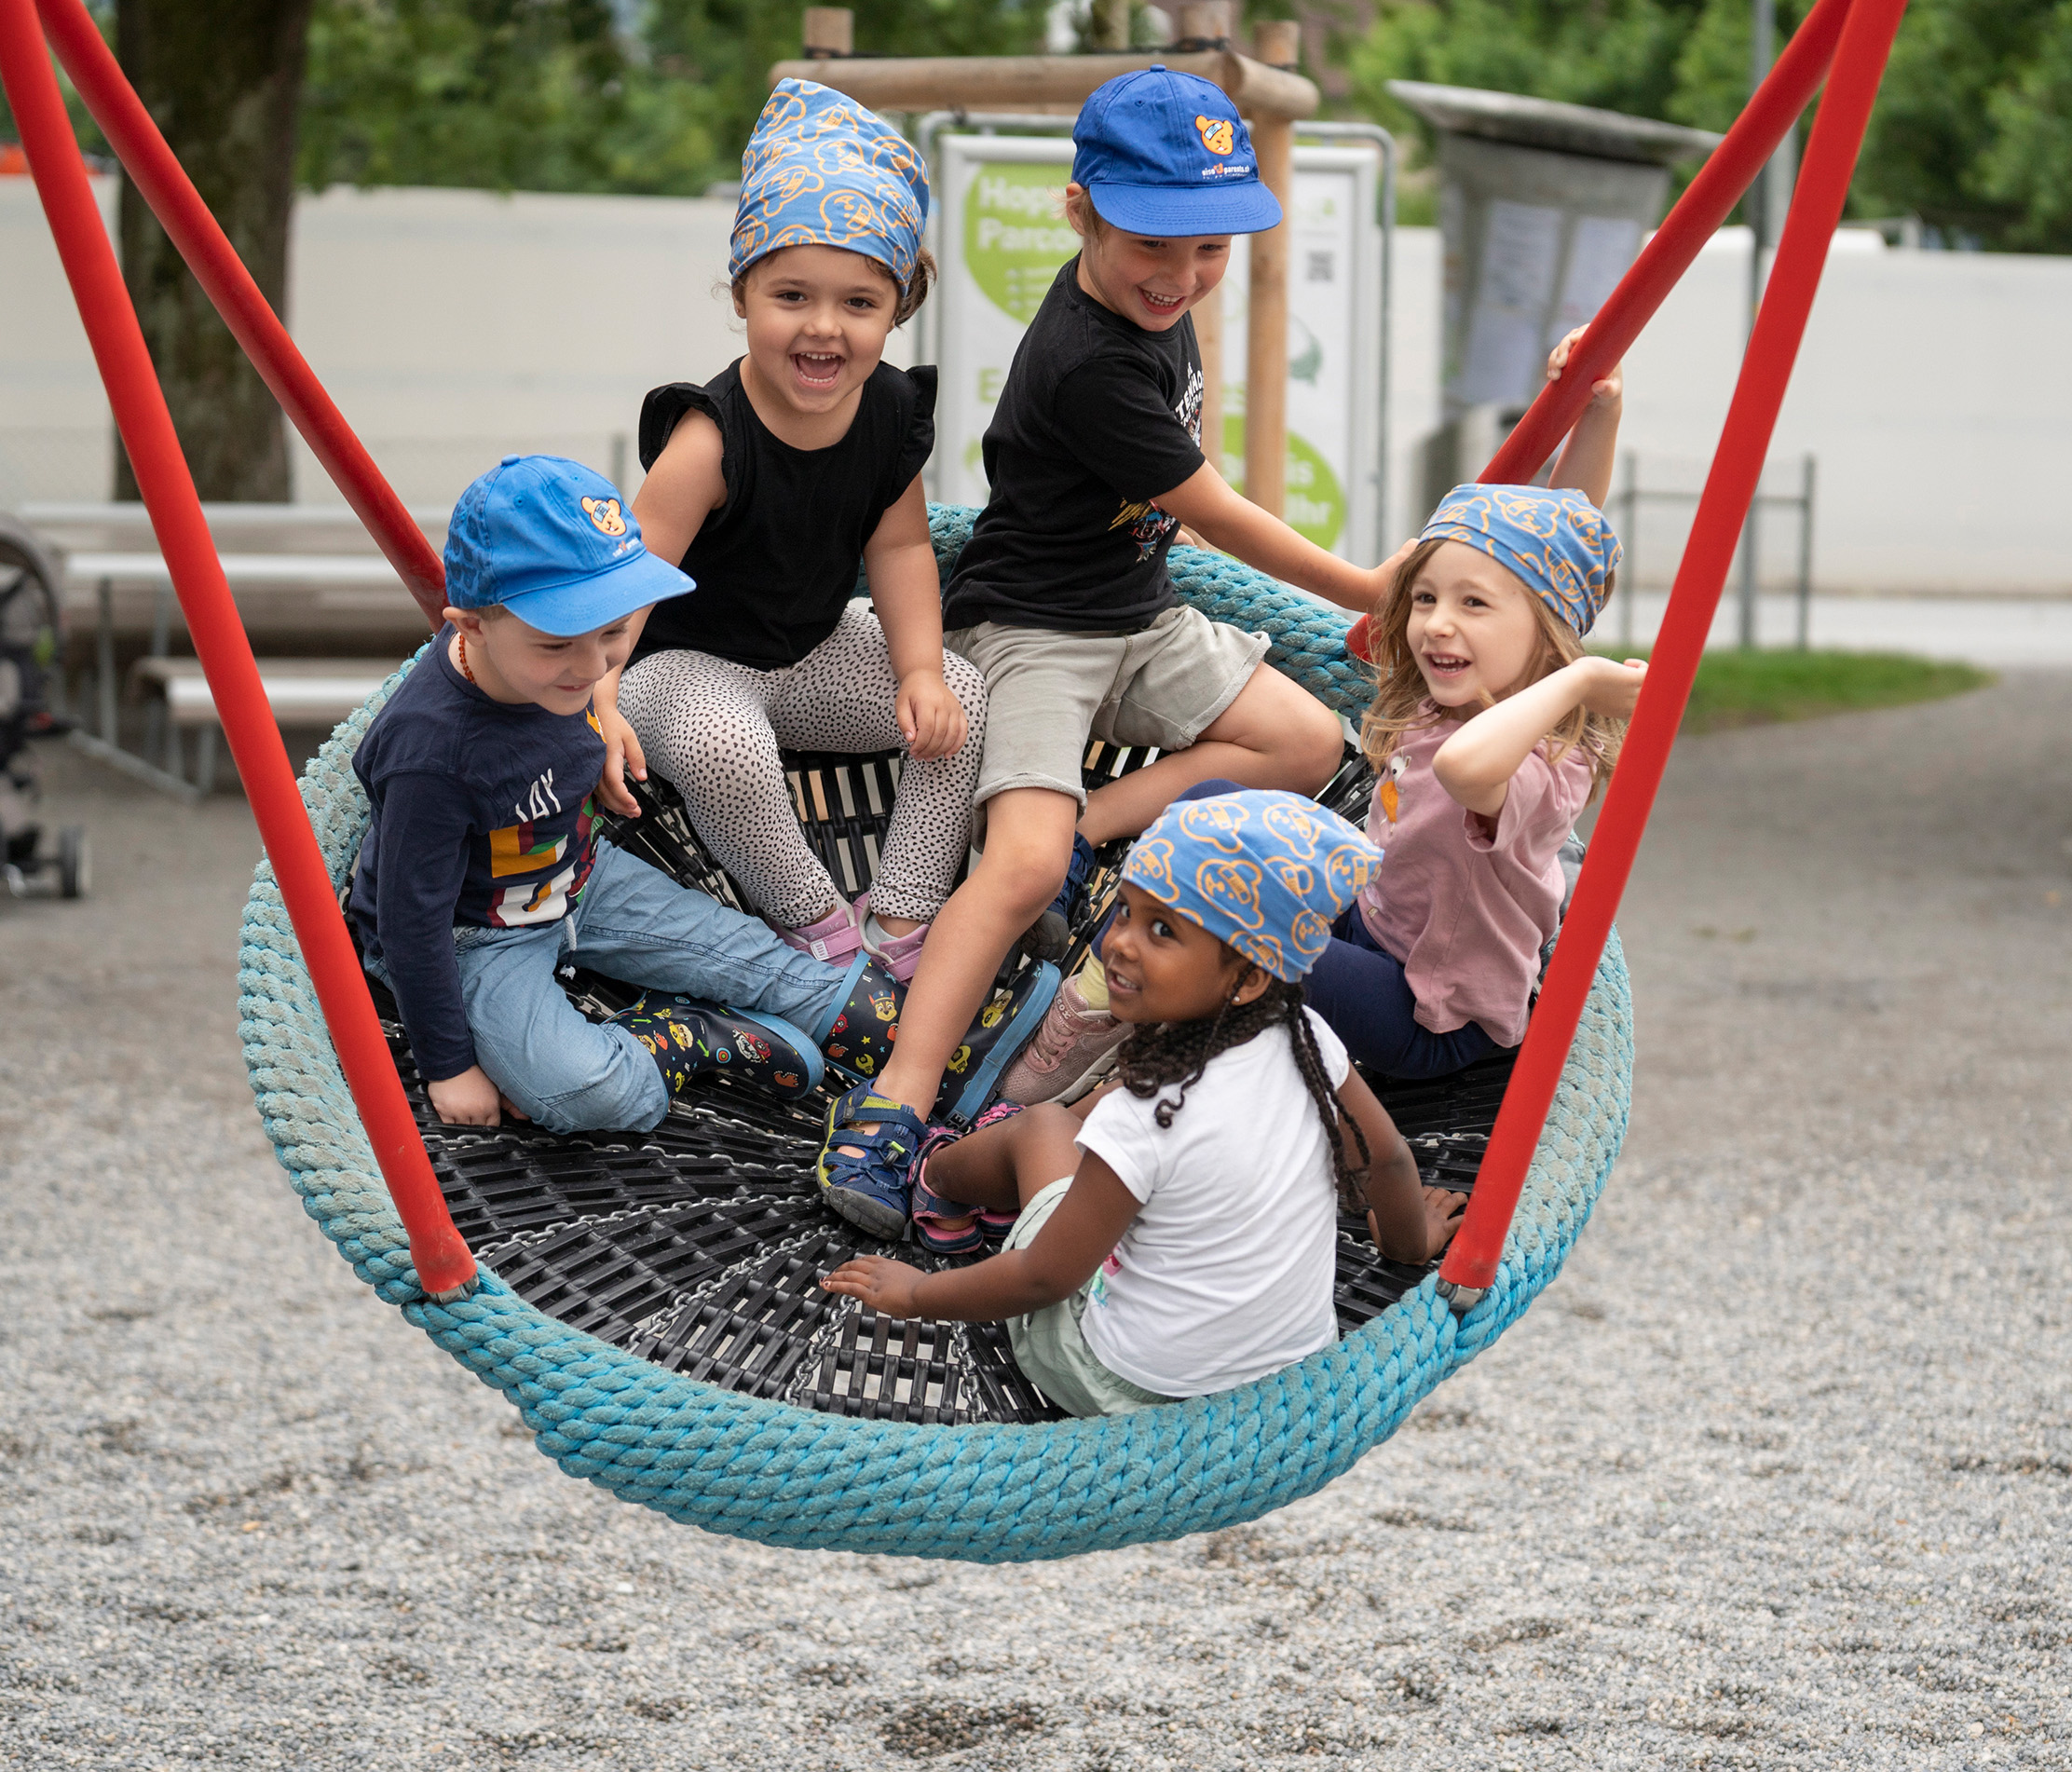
1400,693
909,297
1085,218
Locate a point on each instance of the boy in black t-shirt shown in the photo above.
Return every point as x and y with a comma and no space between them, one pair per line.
480,871
1063,595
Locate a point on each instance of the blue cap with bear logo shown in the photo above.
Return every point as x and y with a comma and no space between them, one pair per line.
1166,154
551,541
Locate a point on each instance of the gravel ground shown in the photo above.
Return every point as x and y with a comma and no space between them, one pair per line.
1778,1475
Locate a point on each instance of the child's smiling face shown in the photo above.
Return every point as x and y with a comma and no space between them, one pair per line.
514,662
1161,966
818,318
1148,281
1473,629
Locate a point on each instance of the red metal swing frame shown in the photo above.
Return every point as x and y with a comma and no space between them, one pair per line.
1855,36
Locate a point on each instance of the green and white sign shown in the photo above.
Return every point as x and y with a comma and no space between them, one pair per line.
999,235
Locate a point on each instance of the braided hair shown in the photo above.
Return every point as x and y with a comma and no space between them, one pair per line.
1170,1052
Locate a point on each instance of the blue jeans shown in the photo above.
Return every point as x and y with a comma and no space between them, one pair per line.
571,1075
1359,987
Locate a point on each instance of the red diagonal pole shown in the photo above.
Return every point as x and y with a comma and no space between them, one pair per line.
1729,170
444,1266
1773,347
173,199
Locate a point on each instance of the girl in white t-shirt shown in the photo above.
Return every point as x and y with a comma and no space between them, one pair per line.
1180,1237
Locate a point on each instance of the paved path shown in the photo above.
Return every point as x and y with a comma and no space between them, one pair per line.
1778,1475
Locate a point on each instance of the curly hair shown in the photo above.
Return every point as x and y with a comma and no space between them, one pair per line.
1170,1052
1400,695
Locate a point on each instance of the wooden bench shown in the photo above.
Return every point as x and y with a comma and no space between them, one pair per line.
302,692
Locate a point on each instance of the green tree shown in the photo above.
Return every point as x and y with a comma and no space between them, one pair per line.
1972,131
555,95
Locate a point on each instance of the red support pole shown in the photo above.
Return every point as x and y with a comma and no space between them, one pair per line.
444,1266
1773,345
1728,172
186,218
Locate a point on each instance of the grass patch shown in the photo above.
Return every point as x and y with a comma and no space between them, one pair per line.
1760,688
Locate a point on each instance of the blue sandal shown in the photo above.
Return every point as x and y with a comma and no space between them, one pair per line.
869,1188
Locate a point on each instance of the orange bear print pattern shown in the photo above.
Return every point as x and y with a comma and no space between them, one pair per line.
1219,133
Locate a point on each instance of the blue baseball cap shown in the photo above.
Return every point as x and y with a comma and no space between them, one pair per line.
551,541
1166,154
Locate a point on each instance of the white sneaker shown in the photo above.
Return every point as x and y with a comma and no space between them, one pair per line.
1073,1039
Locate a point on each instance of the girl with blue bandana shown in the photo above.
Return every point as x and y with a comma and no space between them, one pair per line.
774,483
1491,731
1177,1236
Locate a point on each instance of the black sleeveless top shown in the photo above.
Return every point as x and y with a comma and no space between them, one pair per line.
776,564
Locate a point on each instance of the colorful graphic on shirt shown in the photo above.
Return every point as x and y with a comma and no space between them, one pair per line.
513,850
1147,525
1388,795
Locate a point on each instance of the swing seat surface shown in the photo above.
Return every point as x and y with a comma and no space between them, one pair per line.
648,1300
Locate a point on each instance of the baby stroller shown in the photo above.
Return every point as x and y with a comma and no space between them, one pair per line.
32,641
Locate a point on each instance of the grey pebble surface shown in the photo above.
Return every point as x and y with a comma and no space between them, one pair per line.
1777,1475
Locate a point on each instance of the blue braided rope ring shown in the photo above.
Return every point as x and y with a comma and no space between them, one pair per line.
782,1475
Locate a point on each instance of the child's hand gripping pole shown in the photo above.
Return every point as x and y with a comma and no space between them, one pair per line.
444,1267
1727,172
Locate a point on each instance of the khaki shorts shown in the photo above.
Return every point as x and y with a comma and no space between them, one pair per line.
1051,1348
1047,691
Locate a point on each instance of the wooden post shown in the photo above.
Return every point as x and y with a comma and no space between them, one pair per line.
830,30
1110,25
1209,335
1277,42
1204,21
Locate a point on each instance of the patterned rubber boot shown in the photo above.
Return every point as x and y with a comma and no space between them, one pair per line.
687,1038
858,1040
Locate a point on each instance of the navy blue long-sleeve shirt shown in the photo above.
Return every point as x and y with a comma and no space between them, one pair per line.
481,816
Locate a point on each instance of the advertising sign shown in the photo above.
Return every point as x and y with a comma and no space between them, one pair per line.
999,235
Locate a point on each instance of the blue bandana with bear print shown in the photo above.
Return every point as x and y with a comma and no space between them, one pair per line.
1264,870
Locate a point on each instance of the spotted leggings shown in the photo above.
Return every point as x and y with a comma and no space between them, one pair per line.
713,728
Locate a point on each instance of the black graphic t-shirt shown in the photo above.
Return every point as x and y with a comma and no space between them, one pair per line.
481,816
1098,418
776,564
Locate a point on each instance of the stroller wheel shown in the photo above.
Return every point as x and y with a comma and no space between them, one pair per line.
74,863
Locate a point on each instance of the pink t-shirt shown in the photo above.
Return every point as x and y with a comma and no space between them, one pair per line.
1467,913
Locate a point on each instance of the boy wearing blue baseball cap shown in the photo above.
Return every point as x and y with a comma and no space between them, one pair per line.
1095,457
481,870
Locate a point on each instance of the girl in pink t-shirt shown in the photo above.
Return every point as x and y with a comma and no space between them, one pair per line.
1491,731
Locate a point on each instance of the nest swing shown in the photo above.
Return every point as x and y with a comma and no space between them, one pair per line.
648,1301
644,1314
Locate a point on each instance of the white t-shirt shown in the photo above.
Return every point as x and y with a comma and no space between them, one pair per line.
1226,1273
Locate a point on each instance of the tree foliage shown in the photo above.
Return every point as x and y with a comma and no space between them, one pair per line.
1972,132
560,95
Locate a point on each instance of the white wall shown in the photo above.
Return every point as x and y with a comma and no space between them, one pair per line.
454,326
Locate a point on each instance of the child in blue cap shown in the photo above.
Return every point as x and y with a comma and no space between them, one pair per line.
1177,1236
772,484
1095,457
481,871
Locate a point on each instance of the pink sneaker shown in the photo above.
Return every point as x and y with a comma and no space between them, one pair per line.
833,939
898,954
1072,1040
